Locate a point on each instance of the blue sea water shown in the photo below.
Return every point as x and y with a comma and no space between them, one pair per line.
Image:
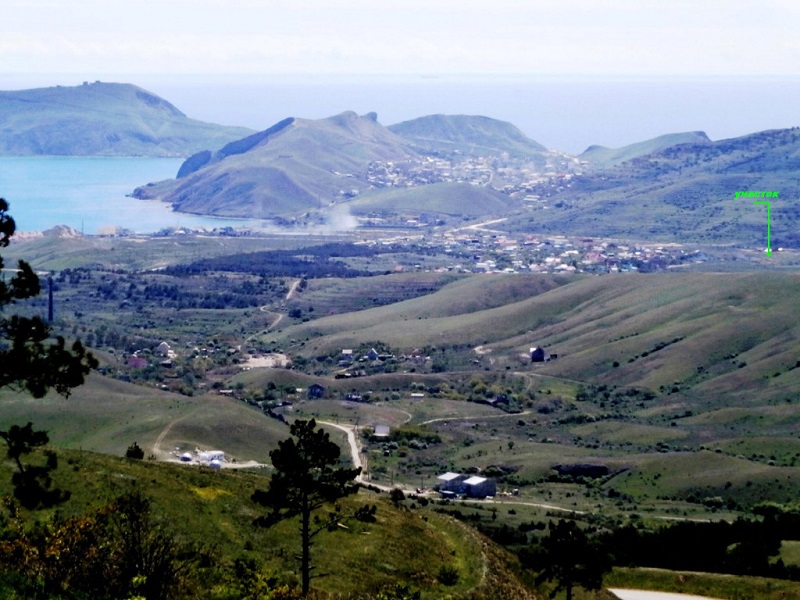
90,194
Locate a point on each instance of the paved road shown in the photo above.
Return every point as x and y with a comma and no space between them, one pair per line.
623,594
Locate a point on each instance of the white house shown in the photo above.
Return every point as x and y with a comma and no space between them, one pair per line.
451,482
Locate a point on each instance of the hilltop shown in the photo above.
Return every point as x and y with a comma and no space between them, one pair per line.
101,119
468,135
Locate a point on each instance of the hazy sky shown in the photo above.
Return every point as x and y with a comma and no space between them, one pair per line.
120,38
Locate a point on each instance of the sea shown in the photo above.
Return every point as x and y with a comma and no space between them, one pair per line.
92,195
562,113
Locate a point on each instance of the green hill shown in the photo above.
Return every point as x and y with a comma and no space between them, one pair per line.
686,193
101,119
468,135
602,157
735,334
292,167
106,415
685,384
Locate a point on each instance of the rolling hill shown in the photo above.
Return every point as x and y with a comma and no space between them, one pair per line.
602,157
101,119
107,415
735,334
468,135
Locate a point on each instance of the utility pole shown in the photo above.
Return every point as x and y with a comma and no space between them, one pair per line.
50,300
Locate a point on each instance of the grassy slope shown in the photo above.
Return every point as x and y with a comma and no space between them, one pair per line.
445,198
720,352
458,313
107,416
214,508
702,319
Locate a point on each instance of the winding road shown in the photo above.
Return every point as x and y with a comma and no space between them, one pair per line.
355,456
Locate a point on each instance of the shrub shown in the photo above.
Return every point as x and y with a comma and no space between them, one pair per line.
134,451
447,575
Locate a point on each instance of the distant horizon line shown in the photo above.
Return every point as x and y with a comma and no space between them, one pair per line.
121,77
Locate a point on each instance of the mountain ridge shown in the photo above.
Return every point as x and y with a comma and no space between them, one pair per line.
686,193
468,134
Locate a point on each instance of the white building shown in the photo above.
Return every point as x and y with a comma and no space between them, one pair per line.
480,487
451,482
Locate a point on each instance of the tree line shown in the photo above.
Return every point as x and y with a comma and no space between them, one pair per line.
312,262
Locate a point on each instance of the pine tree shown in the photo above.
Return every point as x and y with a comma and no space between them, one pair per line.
304,481
31,361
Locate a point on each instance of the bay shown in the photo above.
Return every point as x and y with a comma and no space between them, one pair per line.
90,194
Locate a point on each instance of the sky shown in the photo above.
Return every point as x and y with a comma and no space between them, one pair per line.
569,73
556,37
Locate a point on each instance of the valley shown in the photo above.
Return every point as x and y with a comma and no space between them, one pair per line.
672,398
504,338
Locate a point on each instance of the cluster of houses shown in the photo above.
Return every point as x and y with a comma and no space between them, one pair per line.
209,458
163,351
454,485
348,357
494,252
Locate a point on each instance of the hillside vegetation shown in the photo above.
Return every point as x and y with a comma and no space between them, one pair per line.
212,513
101,119
723,332
686,193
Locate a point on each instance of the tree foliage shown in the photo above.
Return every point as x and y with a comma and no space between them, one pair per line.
306,478
116,551
568,557
29,360
134,451
32,483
